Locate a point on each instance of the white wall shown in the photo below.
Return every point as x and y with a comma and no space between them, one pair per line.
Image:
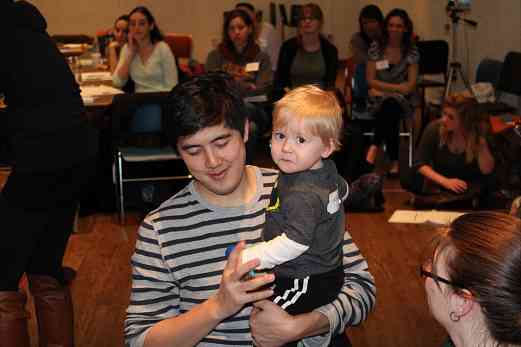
499,29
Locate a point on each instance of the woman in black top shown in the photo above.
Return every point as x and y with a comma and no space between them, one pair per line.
453,155
53,149
308,58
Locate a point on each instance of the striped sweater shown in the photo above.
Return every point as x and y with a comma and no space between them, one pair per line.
180,256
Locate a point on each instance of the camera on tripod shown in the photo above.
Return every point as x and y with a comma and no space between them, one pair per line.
454,9
458,5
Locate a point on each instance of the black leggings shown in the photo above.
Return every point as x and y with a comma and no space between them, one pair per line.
387,127
37,215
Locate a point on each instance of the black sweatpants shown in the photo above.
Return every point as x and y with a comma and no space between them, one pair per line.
301,295
37,214
387,127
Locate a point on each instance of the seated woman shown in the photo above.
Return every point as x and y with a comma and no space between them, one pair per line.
145,58
239,55
308,58
371,22
119,34
453,154
473,280
392,72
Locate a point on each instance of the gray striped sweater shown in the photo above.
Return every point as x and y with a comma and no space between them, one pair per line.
180,255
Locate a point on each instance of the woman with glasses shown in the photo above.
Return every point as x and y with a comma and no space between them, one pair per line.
473,282
308,58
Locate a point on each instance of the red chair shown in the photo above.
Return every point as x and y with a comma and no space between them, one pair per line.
181,46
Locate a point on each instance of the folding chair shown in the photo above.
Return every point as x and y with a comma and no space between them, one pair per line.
358,111
128,123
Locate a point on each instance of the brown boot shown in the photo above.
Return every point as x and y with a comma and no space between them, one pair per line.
53,306
13,320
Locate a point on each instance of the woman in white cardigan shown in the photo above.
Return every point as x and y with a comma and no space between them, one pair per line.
146,58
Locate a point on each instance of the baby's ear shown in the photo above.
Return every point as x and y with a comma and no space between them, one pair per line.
329,148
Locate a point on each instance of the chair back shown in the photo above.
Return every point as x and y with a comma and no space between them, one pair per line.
180,44
489,70
509,80
79,38
434,57
134,115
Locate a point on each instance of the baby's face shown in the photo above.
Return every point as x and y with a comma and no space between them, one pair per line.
294,148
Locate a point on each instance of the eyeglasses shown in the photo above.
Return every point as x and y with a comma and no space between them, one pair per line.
426,273
303,18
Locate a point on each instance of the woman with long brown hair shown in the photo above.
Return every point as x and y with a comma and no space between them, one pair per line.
391,74
239,55
473,280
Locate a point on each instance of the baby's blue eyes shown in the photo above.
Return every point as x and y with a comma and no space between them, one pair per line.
278,136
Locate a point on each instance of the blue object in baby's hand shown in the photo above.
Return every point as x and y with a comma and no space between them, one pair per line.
227,252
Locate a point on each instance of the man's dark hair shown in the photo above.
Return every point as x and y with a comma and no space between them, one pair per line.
202,102
247,5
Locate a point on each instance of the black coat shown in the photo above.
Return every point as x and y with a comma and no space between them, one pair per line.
45,120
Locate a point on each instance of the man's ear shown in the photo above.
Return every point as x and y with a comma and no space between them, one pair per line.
329,148
246,135
461,303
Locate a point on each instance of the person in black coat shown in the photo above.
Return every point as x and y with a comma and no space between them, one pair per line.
53,151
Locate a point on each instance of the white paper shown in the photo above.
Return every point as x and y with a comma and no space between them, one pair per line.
85,62
252,67
382,65
256,98
73,45
88,93
420,217
96,76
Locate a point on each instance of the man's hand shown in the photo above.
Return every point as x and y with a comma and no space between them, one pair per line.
456,185
271,326
234,291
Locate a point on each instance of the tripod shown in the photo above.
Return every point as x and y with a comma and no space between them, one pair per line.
455,67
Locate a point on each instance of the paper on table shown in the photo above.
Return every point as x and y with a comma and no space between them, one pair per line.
73,45
256,98
88,93
420,217
96,76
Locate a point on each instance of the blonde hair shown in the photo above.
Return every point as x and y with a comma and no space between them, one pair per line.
317,109
473,121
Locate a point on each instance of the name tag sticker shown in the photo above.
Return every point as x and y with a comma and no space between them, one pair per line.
382,65
252,67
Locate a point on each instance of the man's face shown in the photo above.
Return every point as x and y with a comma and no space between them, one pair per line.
215,156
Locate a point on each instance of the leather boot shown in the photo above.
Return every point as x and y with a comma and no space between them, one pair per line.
13,319
53,306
